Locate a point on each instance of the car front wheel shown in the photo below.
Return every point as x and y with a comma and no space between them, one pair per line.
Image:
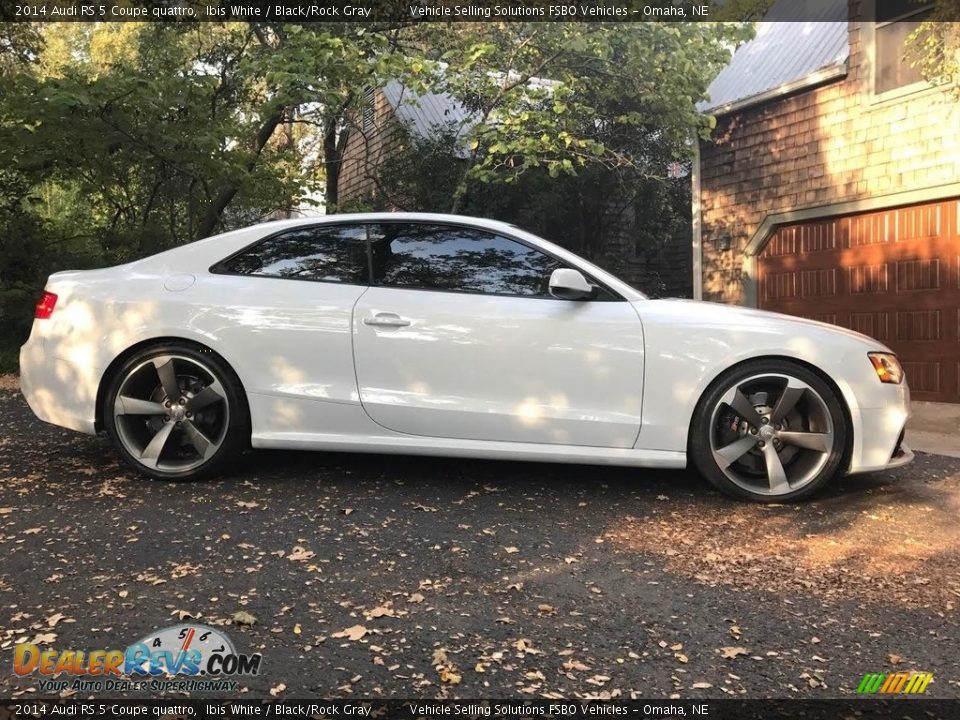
769,431
176,412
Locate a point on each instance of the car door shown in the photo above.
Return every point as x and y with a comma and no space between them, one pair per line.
458,337
287,310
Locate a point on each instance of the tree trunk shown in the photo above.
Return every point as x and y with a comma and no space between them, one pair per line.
214,211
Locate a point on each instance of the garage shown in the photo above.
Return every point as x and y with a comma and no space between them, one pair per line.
892,274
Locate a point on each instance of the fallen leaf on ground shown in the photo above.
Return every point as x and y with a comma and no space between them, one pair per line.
352,633
381,611
277,689
450,677
732,652
299,554
439,657
242,617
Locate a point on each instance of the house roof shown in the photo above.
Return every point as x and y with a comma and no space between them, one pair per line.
425,114
798,44
429,112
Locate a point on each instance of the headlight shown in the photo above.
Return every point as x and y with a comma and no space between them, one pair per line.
887,367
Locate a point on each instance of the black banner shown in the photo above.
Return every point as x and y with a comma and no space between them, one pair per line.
306,11
860,708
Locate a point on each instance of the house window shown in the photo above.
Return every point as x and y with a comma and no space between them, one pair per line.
896,21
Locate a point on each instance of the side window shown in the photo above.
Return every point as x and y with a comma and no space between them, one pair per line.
328,254
439,257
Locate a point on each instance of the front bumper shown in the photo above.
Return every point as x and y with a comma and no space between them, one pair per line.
879,432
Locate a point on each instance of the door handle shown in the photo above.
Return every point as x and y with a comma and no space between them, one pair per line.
386,319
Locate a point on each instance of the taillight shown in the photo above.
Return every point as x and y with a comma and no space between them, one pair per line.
45,305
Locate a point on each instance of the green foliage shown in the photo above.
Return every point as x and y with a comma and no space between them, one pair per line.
740,10
934,47
118,140
564,96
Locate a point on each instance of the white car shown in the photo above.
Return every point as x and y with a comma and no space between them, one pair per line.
448,335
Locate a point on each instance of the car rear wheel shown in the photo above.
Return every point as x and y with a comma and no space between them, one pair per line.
770,431
176,412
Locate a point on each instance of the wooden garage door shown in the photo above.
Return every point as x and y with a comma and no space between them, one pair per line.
894,275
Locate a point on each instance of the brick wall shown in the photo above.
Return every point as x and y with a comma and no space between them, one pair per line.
818,147
367,145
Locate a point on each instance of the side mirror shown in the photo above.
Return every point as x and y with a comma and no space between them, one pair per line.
570,284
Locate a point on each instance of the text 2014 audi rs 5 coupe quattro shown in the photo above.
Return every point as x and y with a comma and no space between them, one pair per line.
447,335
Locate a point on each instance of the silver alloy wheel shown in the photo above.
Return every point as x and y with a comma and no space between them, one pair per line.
171,413
771,434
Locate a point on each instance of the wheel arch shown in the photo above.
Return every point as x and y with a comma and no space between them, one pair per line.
120,359
843,396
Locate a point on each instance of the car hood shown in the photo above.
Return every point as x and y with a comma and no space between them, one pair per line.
695,313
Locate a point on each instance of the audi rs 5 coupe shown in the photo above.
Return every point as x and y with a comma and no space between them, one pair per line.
448,335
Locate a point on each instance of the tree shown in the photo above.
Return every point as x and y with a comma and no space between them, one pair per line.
935,47
567,96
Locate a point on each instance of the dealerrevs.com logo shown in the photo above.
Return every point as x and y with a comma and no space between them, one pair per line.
179,657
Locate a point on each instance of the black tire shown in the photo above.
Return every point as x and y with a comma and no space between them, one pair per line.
223,423
718,431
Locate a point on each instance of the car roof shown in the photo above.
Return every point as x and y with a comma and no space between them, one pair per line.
389,217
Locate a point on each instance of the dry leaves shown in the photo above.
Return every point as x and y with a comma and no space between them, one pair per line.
732,652
448,671
381,611
242,617
299,554
351,633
